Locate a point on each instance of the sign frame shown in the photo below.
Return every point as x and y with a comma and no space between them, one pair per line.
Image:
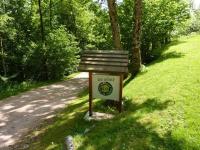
105,86
119,102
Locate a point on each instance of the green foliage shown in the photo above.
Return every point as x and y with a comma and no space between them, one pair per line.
194,25
87,21
61,53
160,17
68,27
55,58
6,29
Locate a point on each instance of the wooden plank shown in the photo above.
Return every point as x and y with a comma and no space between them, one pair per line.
103,69
106,52
105,56
105,59
104,63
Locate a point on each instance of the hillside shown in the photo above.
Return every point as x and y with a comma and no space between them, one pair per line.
161,109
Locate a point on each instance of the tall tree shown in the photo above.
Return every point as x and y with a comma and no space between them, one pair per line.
114,24
50,13
136,55
41,20
2,25
3,57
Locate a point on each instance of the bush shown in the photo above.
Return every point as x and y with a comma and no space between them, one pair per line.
55,58
61,53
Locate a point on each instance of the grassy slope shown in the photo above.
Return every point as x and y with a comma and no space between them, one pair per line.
161,109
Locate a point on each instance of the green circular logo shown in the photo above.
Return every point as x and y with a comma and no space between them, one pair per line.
105,88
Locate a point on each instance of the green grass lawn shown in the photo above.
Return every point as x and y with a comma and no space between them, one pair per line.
161,109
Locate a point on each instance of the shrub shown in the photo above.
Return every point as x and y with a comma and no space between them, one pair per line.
54,58
61,53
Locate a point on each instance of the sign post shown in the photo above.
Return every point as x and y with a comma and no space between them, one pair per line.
106,70
90,93
120,93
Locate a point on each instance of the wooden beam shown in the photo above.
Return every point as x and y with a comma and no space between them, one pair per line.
105,52
105,59
105,56
103,69
104,63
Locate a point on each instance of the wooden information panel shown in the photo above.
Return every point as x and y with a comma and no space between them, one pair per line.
106,70
105,86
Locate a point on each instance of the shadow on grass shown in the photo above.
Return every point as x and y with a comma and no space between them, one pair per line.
166,56
159,56
160,51
129,79
124,131
149,105
83,93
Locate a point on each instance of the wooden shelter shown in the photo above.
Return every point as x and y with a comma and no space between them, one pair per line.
101,65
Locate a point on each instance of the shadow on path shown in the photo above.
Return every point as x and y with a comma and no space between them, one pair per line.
19,114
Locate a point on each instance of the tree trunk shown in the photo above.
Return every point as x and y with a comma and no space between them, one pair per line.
136,55
114,24
3,59
41,21
50,14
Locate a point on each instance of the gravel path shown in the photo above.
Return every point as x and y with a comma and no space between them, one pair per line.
20,113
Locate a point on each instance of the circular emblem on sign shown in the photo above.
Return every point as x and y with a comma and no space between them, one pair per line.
105,88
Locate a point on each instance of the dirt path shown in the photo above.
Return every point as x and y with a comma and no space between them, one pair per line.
19,114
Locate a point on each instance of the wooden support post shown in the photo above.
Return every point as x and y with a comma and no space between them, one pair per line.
120,94
90,93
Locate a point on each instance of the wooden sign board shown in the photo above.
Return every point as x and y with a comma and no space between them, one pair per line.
106,69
